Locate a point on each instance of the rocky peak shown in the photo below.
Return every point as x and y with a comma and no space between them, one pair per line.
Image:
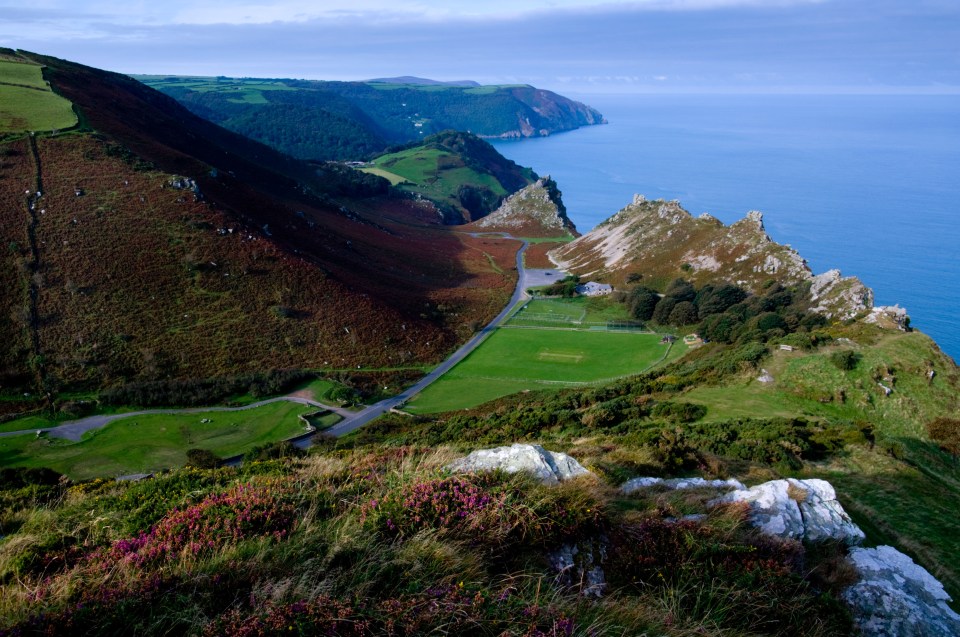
663,241
535,211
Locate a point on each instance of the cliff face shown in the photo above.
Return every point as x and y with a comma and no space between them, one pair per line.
661,241
535,211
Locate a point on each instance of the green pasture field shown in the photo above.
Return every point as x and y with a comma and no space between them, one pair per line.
421,167
241,91
142,444
393,178
28,104
514,360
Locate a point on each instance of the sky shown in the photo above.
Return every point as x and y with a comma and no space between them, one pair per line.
573,46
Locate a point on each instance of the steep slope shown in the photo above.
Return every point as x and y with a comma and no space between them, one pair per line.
165,247
537,211
464,176
659,241
354,120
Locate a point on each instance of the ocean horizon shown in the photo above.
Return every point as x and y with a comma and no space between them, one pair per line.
867,184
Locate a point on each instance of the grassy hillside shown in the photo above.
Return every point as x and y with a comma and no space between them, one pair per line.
383,541
26,101
707,414
465,177
356,120
164,247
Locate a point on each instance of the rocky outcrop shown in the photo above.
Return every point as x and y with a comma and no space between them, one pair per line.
661,240
679,483
580,566
890,317
549,467
534,211
797,509
895,597
840,297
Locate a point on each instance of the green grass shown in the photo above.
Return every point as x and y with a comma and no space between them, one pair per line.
393,178
151,443
567,238
30,106
579,312
886,488
433,173
514,360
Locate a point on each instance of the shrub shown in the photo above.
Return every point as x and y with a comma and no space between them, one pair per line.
845,360
203,459
946,433
273,451
679,412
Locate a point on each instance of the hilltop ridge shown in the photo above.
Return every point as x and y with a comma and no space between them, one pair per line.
324,120
154,245
659,241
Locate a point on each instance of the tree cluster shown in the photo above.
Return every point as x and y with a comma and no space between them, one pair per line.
725,312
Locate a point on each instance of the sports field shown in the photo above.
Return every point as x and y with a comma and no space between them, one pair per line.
150,443
518,359
597,313
27,103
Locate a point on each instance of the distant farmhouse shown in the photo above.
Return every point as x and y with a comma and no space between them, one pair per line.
592,288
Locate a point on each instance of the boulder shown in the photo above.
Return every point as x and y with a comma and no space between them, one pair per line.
679,483
547,466
896,597
579,566
823,516
797,509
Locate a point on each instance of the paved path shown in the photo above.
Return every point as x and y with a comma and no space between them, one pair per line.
352,420
376,410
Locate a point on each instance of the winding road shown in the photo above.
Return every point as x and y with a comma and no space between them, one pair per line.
352,420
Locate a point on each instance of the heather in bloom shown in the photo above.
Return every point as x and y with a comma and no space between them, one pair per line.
442,503
242,512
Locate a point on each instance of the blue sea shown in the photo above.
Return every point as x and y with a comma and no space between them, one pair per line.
867,184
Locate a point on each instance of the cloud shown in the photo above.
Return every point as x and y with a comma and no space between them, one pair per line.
707,45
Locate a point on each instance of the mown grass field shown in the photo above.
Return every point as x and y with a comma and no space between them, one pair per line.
515,360
27,103
151,443
580,312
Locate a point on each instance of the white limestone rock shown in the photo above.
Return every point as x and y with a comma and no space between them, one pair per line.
771,508
896,597
547,466
823,516
797,509
679,483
